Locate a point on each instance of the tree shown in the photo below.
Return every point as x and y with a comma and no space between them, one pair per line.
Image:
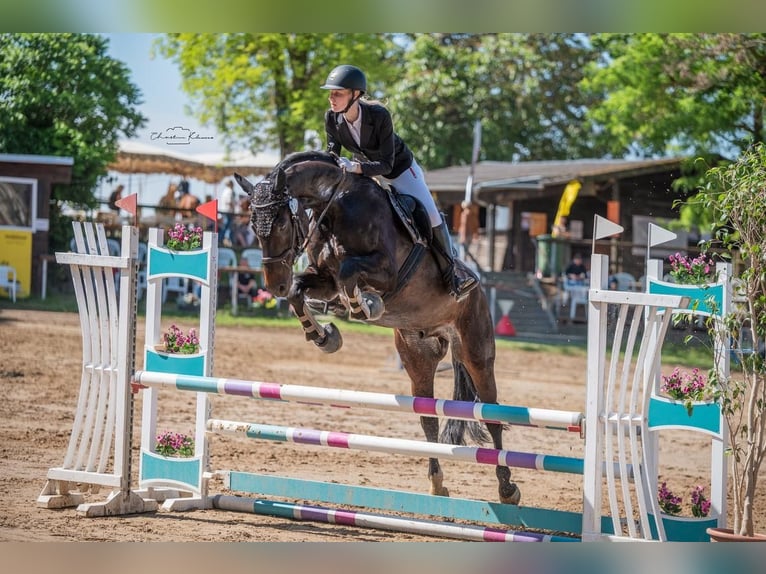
262,90
522,87
693,94
62,95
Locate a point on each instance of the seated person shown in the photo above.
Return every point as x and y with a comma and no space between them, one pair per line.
246,283
576,273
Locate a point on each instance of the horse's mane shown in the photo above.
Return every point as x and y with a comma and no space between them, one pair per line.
302,156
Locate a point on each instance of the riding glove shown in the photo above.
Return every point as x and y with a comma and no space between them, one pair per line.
349,166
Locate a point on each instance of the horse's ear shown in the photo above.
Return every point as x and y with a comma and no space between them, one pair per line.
246,186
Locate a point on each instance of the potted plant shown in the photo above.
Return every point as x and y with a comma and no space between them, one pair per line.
183,238
178,342
735,195
172,444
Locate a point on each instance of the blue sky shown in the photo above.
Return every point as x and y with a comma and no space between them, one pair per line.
164,101
160,84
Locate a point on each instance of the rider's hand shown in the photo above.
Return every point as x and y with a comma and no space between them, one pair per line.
349,166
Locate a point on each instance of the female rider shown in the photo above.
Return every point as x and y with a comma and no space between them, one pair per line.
365,128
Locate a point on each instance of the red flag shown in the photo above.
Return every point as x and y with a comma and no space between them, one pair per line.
210,210
128,204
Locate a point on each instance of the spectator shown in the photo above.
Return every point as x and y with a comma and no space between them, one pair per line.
115,197
576,272
246,283
226,209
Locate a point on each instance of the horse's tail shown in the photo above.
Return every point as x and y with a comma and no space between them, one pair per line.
454,431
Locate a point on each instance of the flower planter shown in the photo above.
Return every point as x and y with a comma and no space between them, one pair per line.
684,528
727,535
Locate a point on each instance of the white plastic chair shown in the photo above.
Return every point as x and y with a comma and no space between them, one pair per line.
9,280
254,258
625,281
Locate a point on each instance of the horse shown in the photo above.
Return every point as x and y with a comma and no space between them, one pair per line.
365,261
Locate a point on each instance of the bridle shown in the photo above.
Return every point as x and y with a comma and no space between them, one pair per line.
300,239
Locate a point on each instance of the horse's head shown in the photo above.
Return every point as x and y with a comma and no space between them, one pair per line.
275,216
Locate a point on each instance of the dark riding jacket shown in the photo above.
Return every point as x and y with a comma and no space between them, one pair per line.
381,151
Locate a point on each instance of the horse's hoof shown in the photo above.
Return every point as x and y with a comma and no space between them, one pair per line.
510,494
332,340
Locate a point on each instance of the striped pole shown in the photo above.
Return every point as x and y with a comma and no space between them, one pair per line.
379,521
466,410
350,441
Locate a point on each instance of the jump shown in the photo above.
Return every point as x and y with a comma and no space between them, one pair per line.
369,258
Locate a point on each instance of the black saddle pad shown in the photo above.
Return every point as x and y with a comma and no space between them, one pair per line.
412,215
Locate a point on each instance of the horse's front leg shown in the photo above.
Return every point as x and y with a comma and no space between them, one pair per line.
326,337
374,275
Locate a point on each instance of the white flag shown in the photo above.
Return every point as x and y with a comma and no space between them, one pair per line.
659,235
602,227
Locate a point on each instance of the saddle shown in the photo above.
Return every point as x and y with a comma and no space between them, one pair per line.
414,218
412,215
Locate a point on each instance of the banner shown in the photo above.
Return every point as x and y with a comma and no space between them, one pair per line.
567,199
16,251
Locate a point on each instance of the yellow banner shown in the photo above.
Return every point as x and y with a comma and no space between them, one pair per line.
566,201
16,251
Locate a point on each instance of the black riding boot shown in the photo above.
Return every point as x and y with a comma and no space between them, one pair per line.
458,278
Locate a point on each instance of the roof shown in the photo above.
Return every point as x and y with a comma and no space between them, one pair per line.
494,176
38,159
136,157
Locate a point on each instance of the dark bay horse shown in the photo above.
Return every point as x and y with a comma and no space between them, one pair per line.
358,252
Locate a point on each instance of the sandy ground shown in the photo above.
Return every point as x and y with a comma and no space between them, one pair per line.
40,364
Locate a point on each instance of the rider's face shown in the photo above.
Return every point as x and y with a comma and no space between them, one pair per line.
339,99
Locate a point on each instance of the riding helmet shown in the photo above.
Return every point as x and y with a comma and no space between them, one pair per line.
346,77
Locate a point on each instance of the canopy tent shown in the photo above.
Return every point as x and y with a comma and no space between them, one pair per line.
136,157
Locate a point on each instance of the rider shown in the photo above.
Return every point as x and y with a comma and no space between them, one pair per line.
364,127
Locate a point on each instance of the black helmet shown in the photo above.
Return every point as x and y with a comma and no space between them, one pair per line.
346,77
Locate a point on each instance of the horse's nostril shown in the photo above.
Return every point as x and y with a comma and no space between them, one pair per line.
282,291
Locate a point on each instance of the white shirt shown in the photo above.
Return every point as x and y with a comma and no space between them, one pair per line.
355,127
226,200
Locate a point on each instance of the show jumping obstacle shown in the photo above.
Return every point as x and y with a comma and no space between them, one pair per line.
618,427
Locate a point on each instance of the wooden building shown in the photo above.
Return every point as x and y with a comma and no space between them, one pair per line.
520,201
26,183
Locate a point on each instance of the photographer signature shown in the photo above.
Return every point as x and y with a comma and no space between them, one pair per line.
178,135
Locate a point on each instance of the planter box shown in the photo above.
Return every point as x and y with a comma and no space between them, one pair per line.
685,528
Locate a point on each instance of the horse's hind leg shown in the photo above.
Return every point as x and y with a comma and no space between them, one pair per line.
420,357
508,491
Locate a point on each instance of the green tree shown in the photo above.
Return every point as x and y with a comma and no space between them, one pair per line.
62,95
262,90
691,94
522,87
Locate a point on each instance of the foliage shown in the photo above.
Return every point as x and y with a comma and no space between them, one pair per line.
690,94
692,271
687,387
264,299
182,238
178,342
174,444
671,504
262,90
522,87
62,95
700,503
736,195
